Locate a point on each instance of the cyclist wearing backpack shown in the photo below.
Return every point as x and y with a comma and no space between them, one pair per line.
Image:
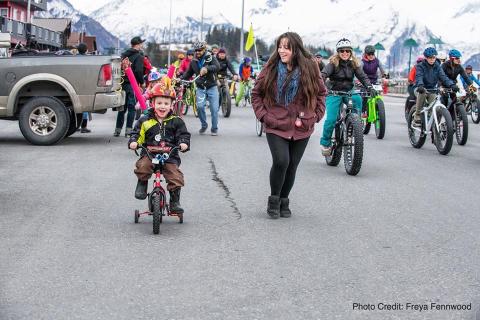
429,74
245,72
340,71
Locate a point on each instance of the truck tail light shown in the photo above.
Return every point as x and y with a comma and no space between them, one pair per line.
105,76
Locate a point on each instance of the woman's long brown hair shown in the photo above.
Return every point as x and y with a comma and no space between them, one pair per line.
301,58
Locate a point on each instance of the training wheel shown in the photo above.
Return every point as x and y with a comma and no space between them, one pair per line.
137,216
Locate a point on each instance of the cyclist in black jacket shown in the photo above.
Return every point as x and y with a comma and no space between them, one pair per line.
206,66
225,65
452,69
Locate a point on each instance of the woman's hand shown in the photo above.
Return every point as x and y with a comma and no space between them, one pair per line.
183,147
133,145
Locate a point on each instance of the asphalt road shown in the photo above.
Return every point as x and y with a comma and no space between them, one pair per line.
405,230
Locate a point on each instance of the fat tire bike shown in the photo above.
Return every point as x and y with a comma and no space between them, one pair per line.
459,118
347,136
472,106
157,199
436,122
375,114
224,96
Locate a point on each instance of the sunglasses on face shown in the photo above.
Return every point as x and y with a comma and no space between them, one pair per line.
344,50
370,54
200,50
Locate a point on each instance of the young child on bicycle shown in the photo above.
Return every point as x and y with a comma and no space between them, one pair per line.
161,127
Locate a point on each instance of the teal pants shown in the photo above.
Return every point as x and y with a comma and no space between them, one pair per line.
333,106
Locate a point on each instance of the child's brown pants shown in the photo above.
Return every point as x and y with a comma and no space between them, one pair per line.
171,172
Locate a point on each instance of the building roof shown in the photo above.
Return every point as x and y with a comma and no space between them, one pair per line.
54,24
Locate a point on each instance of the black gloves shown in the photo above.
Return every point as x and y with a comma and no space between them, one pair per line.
372,91
455,88
421,89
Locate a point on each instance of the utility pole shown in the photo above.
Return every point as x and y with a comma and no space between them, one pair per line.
241,31
201,27
28,12
170,36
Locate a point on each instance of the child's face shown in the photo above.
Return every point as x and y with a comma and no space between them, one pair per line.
162,106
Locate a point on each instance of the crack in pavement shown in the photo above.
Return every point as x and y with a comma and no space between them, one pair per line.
222,185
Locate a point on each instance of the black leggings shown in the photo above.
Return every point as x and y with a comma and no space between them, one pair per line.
286,155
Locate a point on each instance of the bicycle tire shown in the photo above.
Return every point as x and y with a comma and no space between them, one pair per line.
185,109
259,127
445,149
334,159
461,125
353,153
381,120
156,211
226,102
475,115
416,142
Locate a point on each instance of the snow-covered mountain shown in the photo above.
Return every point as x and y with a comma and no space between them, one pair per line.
63,9
319,22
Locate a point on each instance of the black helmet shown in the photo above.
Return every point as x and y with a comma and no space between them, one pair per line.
369,49
469,67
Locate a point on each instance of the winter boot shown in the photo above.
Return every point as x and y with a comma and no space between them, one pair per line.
117,132
273,209
175,201
128,131
284,210
141,190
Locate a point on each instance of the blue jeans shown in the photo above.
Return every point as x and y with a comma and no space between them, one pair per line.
130,102
210,94
333,107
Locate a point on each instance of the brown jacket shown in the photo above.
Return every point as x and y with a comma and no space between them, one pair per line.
280,120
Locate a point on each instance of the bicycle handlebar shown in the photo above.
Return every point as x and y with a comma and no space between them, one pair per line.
151,156
347,93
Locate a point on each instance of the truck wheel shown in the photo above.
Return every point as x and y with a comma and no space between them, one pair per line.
75,122
44,120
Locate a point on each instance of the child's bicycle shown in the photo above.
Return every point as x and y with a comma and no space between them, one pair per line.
436,121
375,114
348,135
157,199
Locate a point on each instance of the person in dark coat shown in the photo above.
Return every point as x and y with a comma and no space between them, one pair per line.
289,98
136,57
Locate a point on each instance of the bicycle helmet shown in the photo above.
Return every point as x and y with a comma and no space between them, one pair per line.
154,76
343,43
469,67
369,49
442,56
318,55
199,45
420,59
181,56
247,60
190,52
163,89
430,52
454,53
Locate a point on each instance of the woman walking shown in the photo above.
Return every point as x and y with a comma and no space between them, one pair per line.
289,98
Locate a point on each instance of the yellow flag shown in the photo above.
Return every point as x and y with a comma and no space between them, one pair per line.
250,40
